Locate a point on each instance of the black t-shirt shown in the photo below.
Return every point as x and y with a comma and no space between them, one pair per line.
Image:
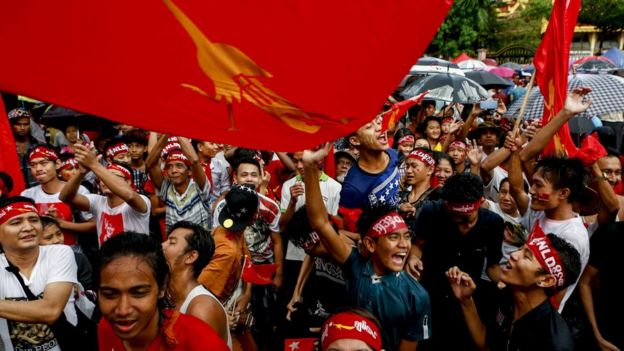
446,247
605,250
325,291
541,329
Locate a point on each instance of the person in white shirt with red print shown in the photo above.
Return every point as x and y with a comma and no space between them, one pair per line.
120,209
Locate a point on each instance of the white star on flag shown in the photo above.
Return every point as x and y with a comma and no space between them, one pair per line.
294,345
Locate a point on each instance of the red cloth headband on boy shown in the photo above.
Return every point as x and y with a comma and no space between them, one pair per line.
69,163
458,144
349,325
15,209
42,152
387,224
545,253
406,139
423,157
116,149
177,155
463,208
126,173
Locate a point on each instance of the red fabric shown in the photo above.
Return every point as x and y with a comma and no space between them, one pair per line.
551,69
392,116
259,274
177,332
462,57
423,157
592,57
9,161
279,174
248,73
619,188
591,150
302,344
463,208
350,217
111,225
43,152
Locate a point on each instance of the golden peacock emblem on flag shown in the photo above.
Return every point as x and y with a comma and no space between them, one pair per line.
236,78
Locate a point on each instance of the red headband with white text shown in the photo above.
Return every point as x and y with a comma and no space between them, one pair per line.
15,209
387,224
406,139
546,254
121,169
463,208
423,157
43,152
349,325
116,149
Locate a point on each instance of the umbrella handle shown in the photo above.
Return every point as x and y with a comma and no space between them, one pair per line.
524,103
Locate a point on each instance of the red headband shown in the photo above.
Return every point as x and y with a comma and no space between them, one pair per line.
545,253
387,224
15,209
116,149
448,120
423,157
169,147
126,173
42,152
406,139
458,144
349,325
177,155
69,163
463,208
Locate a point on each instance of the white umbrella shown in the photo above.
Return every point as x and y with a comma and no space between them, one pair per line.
472,65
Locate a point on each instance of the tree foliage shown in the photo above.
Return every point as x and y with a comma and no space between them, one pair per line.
605,15
524,27
470,25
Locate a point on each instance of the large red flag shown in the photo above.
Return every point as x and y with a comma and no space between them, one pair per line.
392,116
9,162
551,66
259,274
278,75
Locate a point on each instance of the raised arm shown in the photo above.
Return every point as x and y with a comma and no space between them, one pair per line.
476,111
610,204
117,185
286,161
151,163
69,193
516,182
575,103
317,213
199,174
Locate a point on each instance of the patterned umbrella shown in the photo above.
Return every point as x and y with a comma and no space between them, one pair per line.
606,95
471,64
590,58
596,66
447,87
503,72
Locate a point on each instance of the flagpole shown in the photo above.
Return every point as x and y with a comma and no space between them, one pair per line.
524,103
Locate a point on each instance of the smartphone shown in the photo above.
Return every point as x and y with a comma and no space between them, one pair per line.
488,104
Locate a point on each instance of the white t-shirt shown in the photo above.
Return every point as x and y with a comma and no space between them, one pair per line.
44,202
330,191
571,230
55,263
112,221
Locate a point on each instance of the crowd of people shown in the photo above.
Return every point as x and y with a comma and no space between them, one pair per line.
449,231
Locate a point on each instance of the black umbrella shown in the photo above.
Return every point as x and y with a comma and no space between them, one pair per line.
488,80
60,117
447,87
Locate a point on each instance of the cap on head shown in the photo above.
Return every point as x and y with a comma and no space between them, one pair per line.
241,204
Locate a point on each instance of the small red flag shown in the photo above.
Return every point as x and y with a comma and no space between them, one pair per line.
551,69
302,344
259,274
9,161
270,75
392,116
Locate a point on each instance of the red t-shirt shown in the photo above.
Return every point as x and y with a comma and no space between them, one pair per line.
177,332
